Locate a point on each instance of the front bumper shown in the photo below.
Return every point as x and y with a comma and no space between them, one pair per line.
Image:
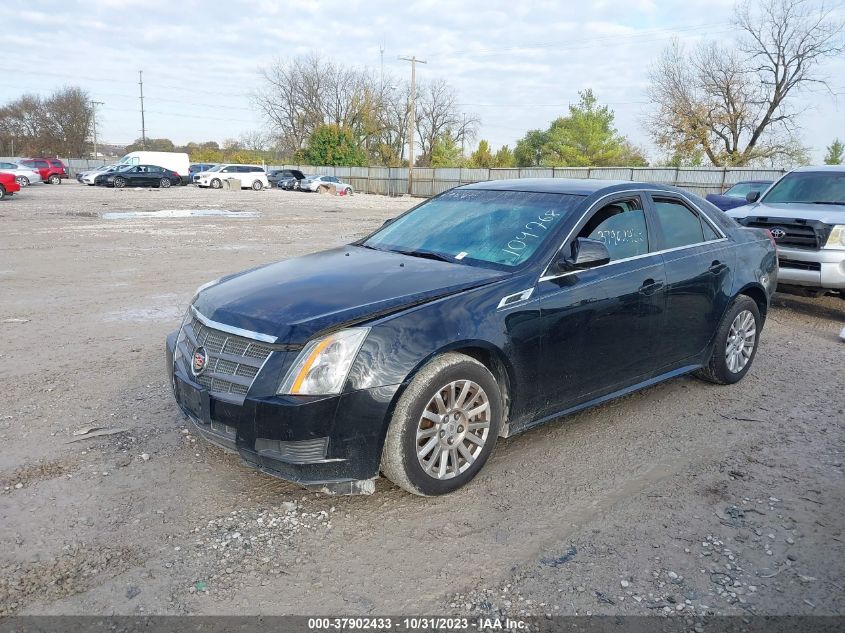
332,443
824,268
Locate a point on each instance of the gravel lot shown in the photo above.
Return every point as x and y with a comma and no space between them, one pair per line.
684,499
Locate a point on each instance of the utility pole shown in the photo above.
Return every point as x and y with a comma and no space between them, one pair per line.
94,105
412,118
143,124
381,81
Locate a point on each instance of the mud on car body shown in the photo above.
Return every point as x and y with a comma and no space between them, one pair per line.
478,314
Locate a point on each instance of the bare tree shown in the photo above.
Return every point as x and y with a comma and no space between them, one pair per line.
303,93
68,122
734,104
438,115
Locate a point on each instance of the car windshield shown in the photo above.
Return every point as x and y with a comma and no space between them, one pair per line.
503,228
814,187
742,189
123,167
217,168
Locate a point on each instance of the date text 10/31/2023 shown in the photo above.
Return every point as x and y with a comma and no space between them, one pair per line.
420,623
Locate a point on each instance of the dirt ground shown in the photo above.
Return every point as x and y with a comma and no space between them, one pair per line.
686,498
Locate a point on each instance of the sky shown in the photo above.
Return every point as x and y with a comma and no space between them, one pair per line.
516,65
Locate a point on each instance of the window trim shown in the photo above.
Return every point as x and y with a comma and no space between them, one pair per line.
648,194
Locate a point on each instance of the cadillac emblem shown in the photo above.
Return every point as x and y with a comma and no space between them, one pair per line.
199,361
778,233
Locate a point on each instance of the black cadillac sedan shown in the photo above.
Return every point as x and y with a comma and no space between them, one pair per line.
139,176
478,314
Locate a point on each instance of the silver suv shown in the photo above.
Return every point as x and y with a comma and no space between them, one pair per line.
805,213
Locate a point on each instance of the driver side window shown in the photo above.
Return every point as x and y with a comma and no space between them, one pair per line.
621,226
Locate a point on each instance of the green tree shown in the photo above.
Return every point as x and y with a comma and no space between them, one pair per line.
504,157
481,157
333,145
446,152
152,145
585,138
835,153
529,149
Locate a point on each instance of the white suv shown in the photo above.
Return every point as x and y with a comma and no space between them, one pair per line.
251,176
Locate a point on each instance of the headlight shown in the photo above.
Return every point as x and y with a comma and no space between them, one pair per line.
322,367
836,239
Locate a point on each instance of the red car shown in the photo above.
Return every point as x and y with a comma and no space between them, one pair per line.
8,185
52,170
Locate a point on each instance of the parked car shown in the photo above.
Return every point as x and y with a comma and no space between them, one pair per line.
480,313
8,185
197,168
251,176
177,162
24,176
139,176
285,178
323,183
88,177
805,212
735,196
52,170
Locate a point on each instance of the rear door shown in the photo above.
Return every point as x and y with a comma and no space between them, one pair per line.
601,325
699,263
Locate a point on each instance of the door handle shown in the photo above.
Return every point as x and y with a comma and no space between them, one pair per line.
650,286
717,267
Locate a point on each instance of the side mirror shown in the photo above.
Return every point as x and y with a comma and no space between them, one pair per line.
586,253
752,196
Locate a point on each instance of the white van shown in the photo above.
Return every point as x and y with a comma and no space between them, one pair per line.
251,176
174,161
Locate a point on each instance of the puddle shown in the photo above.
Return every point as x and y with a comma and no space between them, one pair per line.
178,213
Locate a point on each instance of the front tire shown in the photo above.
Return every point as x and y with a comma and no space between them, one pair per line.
444,427
55,180
119,182
2,192
216,184
735,344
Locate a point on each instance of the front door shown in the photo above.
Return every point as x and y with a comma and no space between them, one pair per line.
601,325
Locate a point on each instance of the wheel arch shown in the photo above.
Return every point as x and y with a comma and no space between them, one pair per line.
758,294
486,353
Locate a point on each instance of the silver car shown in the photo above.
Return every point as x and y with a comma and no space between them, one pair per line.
87,177
324,183
805,213
23,175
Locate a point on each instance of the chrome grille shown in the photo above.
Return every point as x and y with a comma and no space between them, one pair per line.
233,361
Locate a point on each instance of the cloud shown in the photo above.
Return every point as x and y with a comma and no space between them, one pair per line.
201,58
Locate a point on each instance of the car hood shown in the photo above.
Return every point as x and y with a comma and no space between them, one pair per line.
827,213
297,298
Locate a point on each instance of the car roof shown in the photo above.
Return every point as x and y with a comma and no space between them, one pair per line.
574,186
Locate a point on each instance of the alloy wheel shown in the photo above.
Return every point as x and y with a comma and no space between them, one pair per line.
119,182
741,339
23,181
165,183
453,429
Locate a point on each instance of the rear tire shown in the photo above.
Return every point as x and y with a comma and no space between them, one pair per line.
164,183
452,397
257,185
23,181
734,348
55,180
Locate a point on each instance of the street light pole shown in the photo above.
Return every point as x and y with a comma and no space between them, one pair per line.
94,105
